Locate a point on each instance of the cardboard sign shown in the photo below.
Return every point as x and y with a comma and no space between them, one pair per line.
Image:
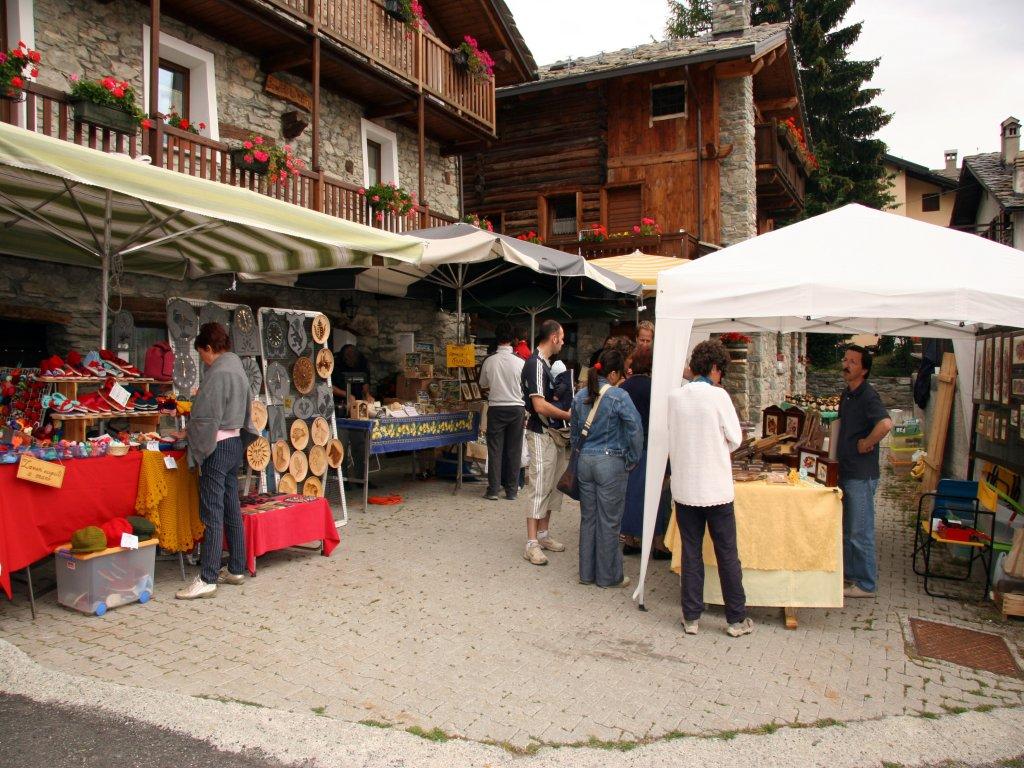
129,541
119,394
38,471
460,355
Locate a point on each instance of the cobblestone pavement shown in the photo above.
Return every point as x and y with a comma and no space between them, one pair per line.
427,615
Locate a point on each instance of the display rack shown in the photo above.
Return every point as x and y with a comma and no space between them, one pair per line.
76,424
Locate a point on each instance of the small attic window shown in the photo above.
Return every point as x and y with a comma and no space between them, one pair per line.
668,100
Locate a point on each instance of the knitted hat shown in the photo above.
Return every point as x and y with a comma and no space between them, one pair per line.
142,527
88,539
113,529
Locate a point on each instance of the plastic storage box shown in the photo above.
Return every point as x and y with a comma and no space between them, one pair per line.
94,582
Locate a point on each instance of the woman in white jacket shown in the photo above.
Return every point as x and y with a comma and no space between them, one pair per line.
703,432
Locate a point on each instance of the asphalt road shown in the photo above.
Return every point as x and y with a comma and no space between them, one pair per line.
36,734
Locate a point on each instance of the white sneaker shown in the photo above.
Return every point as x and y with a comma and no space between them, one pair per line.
740,628
224,576
690,627
535,555
198,588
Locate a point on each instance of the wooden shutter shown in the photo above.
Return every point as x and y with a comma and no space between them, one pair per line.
625,208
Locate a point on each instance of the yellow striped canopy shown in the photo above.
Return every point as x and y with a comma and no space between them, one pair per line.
640,267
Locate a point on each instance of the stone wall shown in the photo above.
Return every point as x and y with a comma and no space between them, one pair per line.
75,292
895,391
737,171
760,383
109,40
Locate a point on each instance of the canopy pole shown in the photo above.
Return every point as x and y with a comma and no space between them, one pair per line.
458,303
104,298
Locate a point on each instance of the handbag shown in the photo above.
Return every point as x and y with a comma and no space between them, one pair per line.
569,483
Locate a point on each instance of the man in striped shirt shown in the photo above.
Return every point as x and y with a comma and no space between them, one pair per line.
548,457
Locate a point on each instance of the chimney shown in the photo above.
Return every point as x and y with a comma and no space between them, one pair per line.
729,17
1018,174
1010,133
951,159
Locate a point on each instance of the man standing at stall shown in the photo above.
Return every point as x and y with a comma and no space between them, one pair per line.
863,422
548,448
501,375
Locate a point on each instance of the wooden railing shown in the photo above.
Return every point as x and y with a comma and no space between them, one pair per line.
47,111
413,55
680,245
773,152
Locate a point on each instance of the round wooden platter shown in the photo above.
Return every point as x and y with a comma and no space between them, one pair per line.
320,431
282,455
317,460
312,487
287,484
299,433
259,415
258,454
335,453
298,466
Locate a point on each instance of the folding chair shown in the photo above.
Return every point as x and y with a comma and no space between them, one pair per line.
954,501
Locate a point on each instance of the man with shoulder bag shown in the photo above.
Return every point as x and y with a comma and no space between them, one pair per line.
548,441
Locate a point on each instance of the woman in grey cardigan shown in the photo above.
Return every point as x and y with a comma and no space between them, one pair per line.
219,420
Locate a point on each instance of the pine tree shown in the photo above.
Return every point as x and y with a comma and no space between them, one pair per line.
843,121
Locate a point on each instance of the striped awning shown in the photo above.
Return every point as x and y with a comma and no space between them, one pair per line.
642,267
74,205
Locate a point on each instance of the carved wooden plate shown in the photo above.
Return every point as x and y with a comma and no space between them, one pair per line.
287,485
320,431
258,454
321,329
298,466
259,415
335,453
324,363
299,434
302,375
282,455
312,487
317,460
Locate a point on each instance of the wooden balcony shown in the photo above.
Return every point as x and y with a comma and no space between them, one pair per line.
781,170
366,55
47,112
679,245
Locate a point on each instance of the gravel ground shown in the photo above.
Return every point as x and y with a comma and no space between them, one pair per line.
256,736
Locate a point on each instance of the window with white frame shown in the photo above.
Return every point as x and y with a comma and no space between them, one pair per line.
380,154
195,81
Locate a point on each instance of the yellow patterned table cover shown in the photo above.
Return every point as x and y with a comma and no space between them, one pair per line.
170,498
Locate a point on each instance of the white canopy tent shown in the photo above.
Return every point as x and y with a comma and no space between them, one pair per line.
852,270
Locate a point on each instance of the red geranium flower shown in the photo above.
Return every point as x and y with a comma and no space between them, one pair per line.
118,92
34,56
109,83
17,82
183,124
147,123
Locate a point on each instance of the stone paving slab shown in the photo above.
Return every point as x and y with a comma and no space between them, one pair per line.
427,615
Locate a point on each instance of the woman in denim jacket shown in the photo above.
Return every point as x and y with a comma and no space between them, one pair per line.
611,450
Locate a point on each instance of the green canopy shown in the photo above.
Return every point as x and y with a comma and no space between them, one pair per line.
76,205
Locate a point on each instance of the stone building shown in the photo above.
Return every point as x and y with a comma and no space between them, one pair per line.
361,96
706,136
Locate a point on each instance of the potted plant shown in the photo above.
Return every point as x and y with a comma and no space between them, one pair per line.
529,237
736,343
15,65
794,136
258,156
478,221
409,12
177,121
107,103
595,234
647,227
470,57
388,197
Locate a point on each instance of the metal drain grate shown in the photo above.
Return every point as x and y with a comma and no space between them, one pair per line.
966,647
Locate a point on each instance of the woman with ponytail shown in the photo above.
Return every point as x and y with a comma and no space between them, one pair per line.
607,427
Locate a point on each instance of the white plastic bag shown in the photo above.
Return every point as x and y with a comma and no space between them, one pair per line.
524,460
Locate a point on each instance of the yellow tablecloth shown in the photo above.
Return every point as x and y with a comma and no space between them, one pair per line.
790,541
170,498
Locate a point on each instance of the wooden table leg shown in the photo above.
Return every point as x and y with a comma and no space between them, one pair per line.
790,616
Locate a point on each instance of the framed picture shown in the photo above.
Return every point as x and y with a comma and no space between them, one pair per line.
997,369
979,370
1003,428
467,392
793,425
1017,356
470,374
1007,368
1014,417
412,359
1017,386
1020,420
809,461
476,391
994,436
987,389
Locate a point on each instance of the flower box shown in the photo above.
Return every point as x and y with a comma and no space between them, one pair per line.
461,59
103,116
394,9
239,163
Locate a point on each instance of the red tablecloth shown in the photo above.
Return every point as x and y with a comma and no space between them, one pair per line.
35,519
294,524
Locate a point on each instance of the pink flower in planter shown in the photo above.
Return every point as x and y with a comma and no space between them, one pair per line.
376,198
247,145
73,77
379,217
636,229
3,58
258,140
247,157
361,192
261,156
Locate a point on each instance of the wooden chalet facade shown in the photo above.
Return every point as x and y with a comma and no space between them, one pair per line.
346,69
690,133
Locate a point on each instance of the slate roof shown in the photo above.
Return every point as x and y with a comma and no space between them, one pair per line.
517,37
751,42
942,179
953,174
995,177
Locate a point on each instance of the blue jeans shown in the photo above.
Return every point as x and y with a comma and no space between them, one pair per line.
859,561
602,480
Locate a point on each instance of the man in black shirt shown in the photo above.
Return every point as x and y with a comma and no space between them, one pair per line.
548,458
863,422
